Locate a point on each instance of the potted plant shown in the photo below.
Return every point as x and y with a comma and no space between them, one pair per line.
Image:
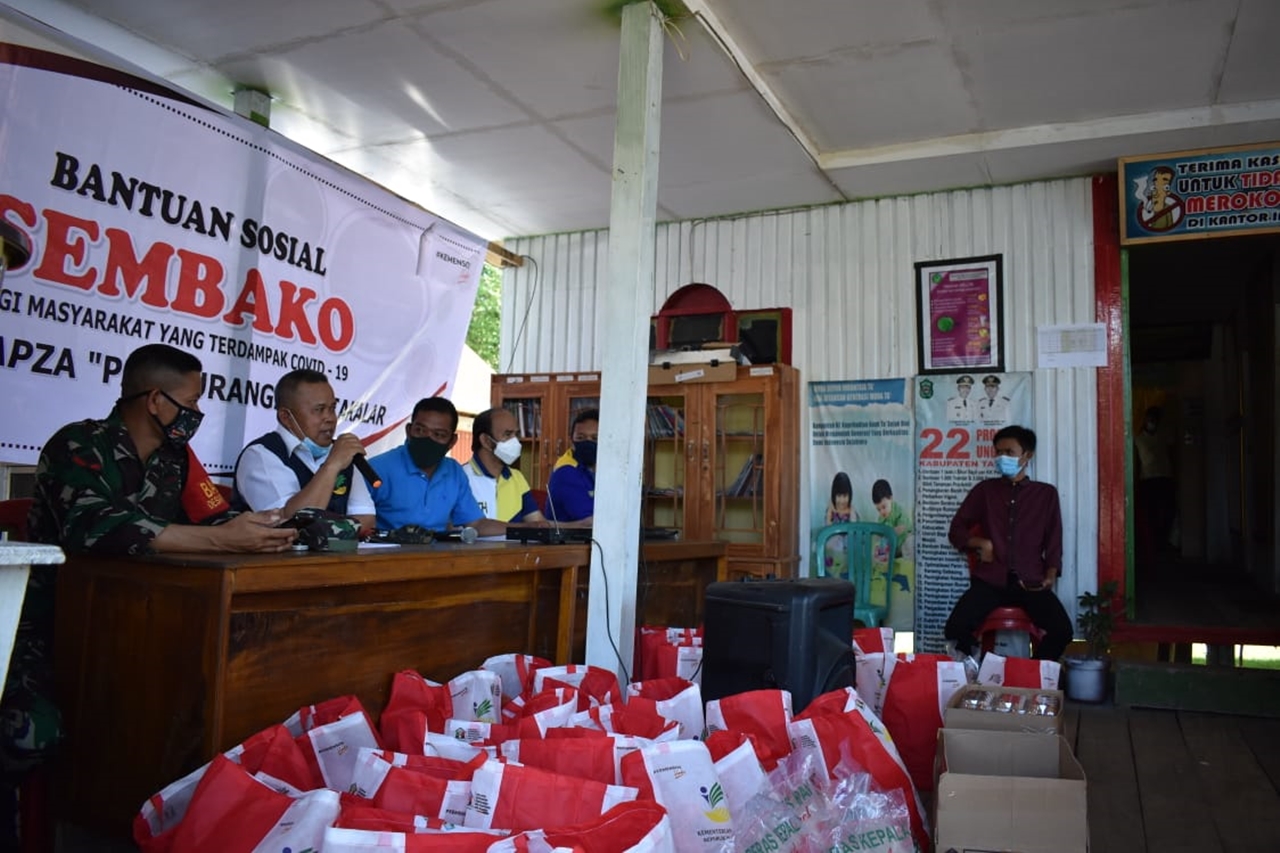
1087,675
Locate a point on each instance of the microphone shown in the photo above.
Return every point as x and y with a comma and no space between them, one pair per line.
467,535
370,475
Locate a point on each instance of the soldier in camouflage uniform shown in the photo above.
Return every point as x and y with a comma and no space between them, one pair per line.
124,485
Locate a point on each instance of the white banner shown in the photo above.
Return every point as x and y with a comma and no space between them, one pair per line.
957,417
153,220
863,463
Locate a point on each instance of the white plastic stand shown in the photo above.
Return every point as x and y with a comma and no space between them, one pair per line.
16,560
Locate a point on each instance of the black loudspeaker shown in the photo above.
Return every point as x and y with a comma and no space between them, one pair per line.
795,635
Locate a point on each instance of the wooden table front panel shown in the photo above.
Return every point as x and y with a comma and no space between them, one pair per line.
163,662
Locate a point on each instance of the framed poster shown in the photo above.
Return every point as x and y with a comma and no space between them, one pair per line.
958,315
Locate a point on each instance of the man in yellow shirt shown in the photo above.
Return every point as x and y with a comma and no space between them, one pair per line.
501,491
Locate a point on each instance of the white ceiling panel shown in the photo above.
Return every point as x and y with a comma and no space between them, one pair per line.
988,14
520,163
905,177
414,171
414,7
911,93
554,59
1253,66
418,89
207,30
778,189
1130,61
1100,155
837,30
724,137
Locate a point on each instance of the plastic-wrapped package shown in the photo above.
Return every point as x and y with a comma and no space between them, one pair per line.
862,818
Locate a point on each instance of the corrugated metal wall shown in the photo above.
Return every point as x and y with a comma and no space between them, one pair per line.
846,272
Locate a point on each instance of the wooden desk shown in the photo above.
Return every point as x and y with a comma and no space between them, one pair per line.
162,662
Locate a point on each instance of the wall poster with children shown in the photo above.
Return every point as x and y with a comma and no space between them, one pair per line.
956,418
862,468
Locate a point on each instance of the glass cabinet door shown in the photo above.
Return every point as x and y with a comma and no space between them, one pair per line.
574,397
669,459
534,460
739,466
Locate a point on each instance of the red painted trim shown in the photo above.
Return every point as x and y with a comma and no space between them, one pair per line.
31,57
1214,635
1109,299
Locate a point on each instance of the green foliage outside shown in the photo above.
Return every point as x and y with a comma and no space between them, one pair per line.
484,333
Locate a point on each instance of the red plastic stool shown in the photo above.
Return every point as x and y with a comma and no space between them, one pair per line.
1007,619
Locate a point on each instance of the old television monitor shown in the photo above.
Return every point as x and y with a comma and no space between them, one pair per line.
691,331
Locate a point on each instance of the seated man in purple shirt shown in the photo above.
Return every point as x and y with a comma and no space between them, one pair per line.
1013,528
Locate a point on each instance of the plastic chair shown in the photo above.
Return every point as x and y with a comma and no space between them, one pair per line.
860,551
540,498
1007,619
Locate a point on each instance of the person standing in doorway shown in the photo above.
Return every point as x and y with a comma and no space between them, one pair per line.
1157,496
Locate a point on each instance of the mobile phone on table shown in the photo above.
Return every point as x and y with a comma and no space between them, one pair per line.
300,519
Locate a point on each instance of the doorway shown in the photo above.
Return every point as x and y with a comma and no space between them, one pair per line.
1201,337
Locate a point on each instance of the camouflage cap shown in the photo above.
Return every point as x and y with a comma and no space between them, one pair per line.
325,534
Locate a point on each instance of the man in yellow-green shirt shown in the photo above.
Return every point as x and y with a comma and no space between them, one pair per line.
501,491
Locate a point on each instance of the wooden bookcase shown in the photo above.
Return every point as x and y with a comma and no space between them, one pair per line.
544,405
722,459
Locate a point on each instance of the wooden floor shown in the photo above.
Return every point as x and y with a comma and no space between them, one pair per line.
1173,781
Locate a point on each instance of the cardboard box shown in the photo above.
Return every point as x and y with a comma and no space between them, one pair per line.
955,717
1008,791
666,373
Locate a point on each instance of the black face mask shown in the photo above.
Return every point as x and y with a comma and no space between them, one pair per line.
585,452
182,428
425,452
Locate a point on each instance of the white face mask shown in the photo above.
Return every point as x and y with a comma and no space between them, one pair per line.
508,451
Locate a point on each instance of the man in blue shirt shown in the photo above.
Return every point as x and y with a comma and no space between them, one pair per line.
420,484
571,491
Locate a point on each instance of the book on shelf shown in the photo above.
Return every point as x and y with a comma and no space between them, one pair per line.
664,421
749,479
664,491
528,415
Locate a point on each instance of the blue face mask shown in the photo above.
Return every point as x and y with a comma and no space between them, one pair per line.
1008,466
317,452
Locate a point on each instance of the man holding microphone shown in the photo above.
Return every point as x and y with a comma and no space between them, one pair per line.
301,463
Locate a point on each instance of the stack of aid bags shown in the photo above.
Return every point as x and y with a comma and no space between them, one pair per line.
520,755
